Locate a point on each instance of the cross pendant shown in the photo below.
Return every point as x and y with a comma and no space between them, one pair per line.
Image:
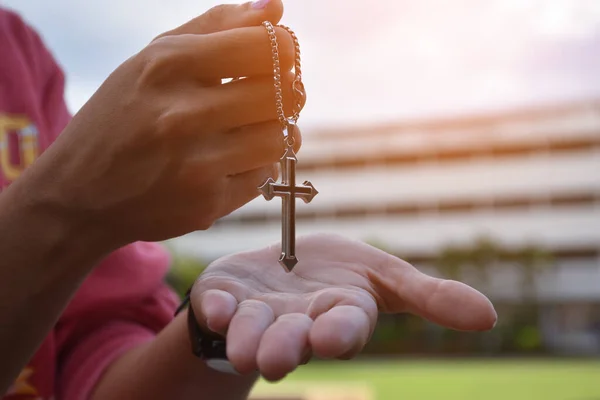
288,191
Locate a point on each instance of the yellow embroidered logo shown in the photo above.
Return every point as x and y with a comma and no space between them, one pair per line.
22,385
19,145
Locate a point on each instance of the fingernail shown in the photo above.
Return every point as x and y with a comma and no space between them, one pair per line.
260,4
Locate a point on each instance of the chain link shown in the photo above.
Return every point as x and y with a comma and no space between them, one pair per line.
297,85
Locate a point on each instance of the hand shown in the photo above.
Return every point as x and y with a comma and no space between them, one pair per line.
328,305
163,148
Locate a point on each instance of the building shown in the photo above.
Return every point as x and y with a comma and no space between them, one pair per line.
521,177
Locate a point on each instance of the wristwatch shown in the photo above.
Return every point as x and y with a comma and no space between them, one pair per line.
206,344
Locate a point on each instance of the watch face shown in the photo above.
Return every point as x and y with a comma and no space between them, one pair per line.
221,365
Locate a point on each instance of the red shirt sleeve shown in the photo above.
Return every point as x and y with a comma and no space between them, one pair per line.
122,304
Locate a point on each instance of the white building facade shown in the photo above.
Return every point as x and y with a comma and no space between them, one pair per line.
531,176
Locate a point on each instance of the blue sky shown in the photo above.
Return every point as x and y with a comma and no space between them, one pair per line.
366,60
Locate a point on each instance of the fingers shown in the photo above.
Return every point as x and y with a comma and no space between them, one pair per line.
236,191
257,340
257,146
448,303
344,322
217,307
246,329
452,304
340,332
246,149
231,16
240,52
225,107
284,346
250,101
276,348
243,188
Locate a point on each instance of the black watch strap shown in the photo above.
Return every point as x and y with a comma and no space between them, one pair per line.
206,345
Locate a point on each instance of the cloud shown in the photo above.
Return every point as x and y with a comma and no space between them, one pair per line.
365,60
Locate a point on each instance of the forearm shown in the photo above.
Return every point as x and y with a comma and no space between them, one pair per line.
166,369
44,257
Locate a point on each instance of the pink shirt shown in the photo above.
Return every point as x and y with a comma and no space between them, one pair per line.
124,301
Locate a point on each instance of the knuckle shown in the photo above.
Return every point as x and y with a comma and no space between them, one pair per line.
217,13
180,118
157,63
169,122
168,58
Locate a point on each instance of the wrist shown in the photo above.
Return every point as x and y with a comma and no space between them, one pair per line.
166,368
204,344
46,229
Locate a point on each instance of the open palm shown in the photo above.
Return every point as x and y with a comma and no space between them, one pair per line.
328,305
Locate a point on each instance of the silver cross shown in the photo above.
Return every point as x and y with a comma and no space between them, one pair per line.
288,191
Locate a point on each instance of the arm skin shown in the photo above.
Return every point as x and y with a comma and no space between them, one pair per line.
46,254
59,219
40,240
165,368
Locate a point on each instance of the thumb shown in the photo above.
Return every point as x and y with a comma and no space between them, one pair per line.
231,16
452,304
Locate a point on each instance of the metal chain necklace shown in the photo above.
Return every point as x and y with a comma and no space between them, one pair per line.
287,189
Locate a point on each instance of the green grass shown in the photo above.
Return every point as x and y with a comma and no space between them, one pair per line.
454,379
